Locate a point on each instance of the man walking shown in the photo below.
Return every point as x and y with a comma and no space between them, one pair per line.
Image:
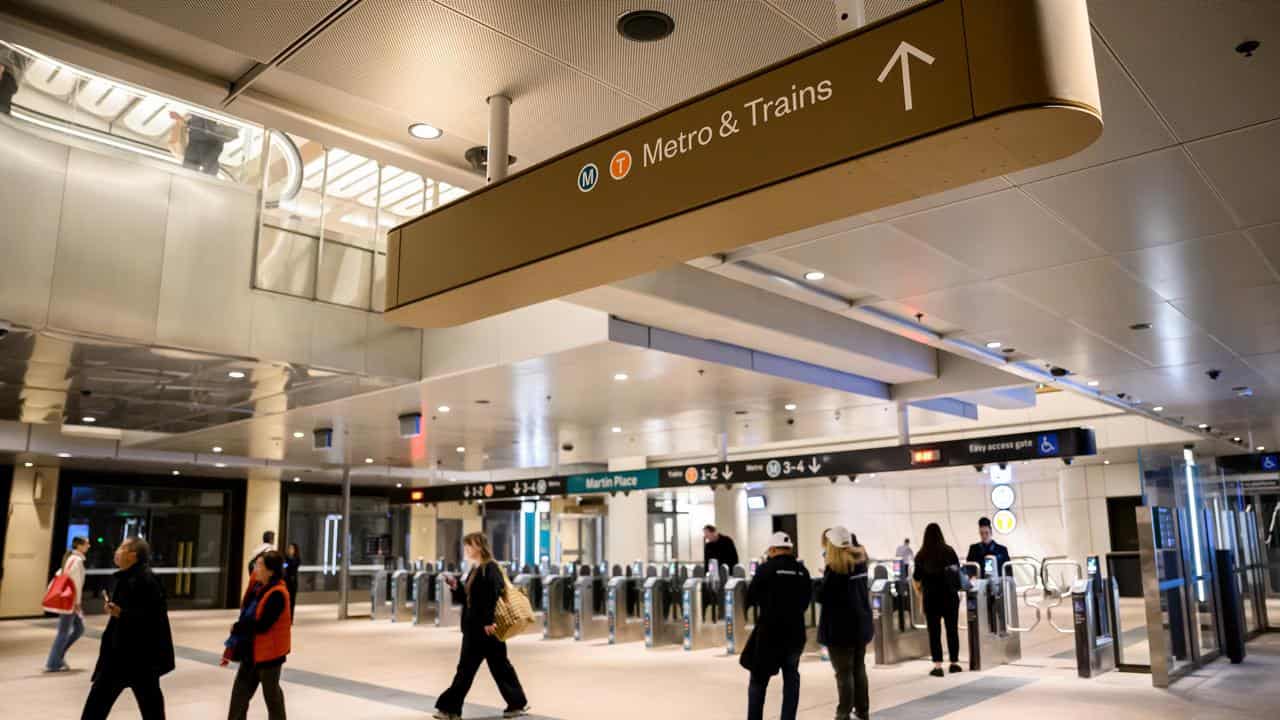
781,591
137,646
719,548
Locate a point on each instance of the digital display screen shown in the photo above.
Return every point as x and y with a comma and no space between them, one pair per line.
926,456
756,502
1091,565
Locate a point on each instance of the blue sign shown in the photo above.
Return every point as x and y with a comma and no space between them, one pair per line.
588,176
1047,444
1270,463
613,482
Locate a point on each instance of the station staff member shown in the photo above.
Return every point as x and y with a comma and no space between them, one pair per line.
986,545
719,548
781,590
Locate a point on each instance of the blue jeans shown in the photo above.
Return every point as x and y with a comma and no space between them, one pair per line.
790,691
70,628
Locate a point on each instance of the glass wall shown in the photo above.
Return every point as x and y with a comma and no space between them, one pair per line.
379,539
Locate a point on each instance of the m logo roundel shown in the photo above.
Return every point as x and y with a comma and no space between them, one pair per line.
588,176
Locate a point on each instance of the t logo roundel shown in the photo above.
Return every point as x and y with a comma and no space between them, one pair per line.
620,165
588,176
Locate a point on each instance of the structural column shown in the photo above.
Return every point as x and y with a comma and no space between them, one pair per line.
626,528
731,516
28,540
344,564
261,510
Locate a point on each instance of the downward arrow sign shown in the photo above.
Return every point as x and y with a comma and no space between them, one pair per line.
728,473
814,466
901,56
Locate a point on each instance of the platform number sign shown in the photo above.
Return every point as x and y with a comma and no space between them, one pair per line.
588,176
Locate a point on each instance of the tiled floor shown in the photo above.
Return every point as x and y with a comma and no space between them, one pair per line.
360,669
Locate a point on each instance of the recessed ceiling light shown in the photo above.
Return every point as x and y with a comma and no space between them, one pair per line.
399,485
89,419
236,375
368,461
423,131
620,376
443,409
1158,408
994,344
1093,383
814,275
176,472
64,455
297,479
616,429
1203,426
1235,439
790,406
217,448
645,25
1106,462
299,434
1261,448
28,464
872,475
460,449
219,465
453,479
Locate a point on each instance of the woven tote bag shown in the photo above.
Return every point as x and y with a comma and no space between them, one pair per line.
514,613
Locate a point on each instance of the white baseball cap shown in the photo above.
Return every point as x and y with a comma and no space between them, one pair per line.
780,540
840,537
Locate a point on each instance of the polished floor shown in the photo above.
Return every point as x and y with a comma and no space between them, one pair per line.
363,669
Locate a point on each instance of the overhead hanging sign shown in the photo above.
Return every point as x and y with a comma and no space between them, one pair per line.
946,93
1059,443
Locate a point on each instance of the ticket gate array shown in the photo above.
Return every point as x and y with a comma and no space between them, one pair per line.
400,609
991,619
378,609
424,597
661,626
1094,600
696,631
557,607
897,636
623,609
448,611
739,616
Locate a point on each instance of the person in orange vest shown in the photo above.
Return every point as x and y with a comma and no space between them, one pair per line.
260,639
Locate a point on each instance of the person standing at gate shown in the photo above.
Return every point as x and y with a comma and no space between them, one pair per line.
70,624
985,546
719,548
292,563
137,646
480,592
845,627
781,590
937,579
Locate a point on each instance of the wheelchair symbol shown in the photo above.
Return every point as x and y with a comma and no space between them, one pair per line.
1047,444
1269,462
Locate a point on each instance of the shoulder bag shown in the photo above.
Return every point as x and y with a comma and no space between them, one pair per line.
514,613
60,597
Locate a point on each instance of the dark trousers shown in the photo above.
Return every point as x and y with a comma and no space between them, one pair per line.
951,617
850,666
479,648
248,678
8,88
107,686
790,691
202,154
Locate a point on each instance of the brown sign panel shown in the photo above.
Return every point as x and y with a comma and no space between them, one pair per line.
873,118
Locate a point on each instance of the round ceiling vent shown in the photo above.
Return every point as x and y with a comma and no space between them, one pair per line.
645,25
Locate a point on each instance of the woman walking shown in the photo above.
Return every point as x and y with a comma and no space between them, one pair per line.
260,639
845,627
937,578
70,624
480,593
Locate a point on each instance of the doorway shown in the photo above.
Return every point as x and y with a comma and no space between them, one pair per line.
449,541
787,524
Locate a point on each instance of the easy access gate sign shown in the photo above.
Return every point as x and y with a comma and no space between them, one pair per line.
941,95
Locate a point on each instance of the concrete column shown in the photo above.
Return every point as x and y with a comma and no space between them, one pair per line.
261,509
27,540
422,533
731,514
626,530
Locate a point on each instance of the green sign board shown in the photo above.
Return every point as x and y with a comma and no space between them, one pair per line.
613,482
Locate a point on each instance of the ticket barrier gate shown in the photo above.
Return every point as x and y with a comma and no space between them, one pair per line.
448,613
697,633
400,608
739,617
897,637
424,597
587,624
1093,605
991,619
626,623
378,609
660,624
531,584
557,607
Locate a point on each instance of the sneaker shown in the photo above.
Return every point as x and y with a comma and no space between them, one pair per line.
937,672
516,712
64,668
955,668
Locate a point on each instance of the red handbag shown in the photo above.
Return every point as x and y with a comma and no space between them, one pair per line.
60,598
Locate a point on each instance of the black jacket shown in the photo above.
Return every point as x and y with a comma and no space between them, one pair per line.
940,594
846,609
978,553
781,591
480,602
139,641
721,550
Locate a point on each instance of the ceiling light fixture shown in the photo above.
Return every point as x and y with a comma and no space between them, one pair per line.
1158,408
217,448
814,275
1106,462
1261,448
368,461
299,434
994,344
443,409
89,419
645,25
176,472
219,465
1203,426
460,449
620,377
236,375
1235,439
297,479
1093,383
64,455
790,406
28,464
399,485
423,131
616,429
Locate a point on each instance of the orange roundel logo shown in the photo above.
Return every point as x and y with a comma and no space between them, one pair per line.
620,165
691,475
488,491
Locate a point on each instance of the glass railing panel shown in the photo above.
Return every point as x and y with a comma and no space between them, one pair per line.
286,262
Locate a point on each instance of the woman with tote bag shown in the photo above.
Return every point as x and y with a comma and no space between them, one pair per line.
65,598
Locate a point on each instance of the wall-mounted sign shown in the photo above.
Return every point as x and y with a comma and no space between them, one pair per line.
941,95
1002,497
1004,522
612,482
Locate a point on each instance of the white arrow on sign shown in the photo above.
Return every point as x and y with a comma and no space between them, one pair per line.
728,473
814,465
901,56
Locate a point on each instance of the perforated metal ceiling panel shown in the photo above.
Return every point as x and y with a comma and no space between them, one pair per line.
432,63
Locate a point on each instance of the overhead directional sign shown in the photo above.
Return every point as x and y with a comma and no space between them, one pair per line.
1067,442
986,88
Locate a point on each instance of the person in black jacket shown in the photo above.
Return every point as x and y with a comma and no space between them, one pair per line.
137,646
985,546
781,591
719,548
845,626
292,562
937,578
484,585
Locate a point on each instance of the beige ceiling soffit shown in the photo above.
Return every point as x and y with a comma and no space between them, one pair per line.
945,94
244,81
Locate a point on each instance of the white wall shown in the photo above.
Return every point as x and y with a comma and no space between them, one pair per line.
879,516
